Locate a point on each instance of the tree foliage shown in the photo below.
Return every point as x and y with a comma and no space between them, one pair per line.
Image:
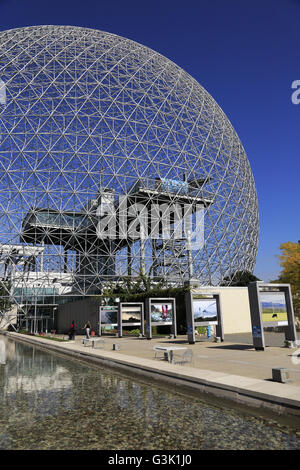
143,287
240,279
290,273
5,301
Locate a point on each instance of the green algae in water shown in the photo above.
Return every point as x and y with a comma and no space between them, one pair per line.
49,402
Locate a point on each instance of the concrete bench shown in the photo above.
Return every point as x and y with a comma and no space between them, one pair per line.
93,341
168,351
158,350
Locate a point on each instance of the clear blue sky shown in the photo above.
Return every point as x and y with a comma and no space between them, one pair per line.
246,54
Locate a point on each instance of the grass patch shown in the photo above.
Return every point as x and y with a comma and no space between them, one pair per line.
52,338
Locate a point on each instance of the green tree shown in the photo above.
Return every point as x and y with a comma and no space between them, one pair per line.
5,301
239,279
290,263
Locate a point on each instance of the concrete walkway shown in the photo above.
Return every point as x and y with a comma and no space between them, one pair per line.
232,357
229,370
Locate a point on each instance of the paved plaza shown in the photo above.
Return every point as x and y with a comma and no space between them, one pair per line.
235,355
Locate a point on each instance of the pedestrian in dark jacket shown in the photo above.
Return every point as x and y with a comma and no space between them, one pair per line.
73,329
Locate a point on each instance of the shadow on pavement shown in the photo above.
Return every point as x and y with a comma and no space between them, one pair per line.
239,347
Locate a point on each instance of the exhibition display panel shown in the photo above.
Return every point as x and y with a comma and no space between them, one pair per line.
203,310
130,314
271,306
160,312
108,318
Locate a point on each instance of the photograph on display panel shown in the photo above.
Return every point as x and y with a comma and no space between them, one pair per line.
131,314
162,312
205,310
109,316
273,307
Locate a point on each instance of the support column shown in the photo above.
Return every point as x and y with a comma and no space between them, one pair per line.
129,260
42,257
65,261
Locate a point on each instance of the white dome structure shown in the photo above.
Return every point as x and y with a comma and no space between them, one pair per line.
94,127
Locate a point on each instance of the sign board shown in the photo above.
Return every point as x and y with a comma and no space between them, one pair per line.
270,306
160,312
256,331
131,314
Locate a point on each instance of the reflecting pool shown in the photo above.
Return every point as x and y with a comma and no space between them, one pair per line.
48,401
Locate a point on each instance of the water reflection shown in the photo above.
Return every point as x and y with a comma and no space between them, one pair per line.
28,370
50,402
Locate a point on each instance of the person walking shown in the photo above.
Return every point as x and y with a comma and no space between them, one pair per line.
87,328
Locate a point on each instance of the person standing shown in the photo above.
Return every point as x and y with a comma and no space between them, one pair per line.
73,329
87,327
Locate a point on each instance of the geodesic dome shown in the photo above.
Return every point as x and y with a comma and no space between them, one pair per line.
87,116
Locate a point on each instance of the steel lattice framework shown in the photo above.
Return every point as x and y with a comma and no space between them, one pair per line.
87,116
